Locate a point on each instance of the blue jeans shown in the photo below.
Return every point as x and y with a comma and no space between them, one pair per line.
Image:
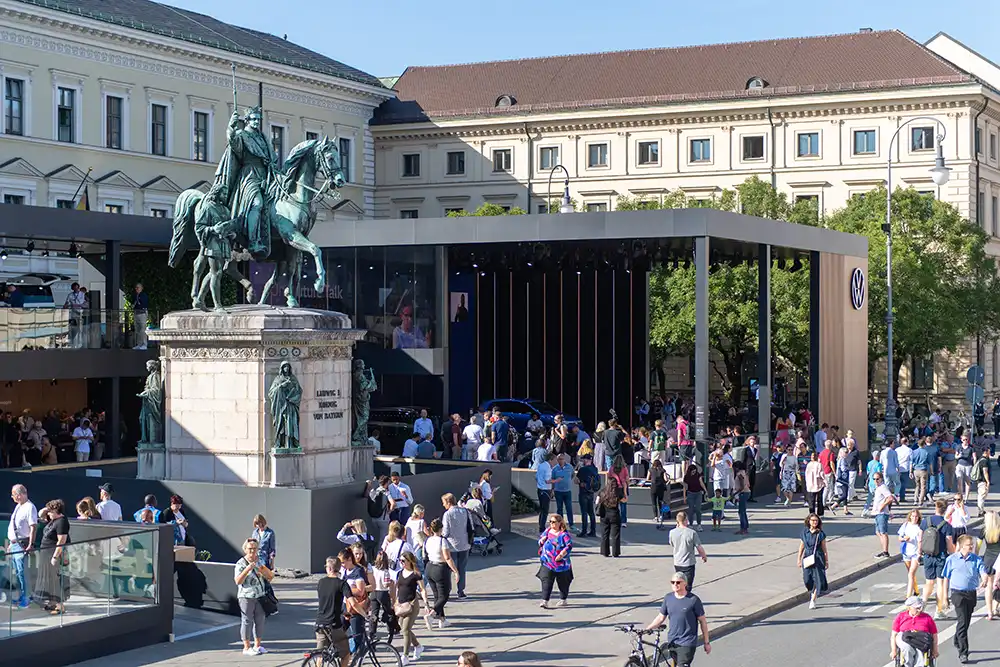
741,500
587,516
903,478
694,507
892,481
462,563
623,510
358,639
564,505
20,560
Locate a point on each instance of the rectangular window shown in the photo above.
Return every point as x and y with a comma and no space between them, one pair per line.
701,150
278,141
201,136
14,199
113,121
979,141
993,146
753,147
411,164
594,208
996,365
506,209
13,106
409,214
449,211
597,155
649,152
345,158
502,159
158,129
994,211
808,144
66,132
312,136
114,208
864,142
812,198
543,209
981,209
158,212
921,138
548,158
923,373
456,163
64,203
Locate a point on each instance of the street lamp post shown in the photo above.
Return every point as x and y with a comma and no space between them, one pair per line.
940,175
565,206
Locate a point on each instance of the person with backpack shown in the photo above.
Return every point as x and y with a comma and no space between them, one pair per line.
981,476
658,442
589,480
936,541
380,504
355,531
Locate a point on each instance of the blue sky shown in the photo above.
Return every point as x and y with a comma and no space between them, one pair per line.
399,33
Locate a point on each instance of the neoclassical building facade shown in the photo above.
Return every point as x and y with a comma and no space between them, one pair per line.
144,109
814,116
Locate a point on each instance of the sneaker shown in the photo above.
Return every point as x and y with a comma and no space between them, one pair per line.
23,603
462,596
937,615
404,660
812,604
787,502
882,554
778,499
427,620
417,652
699,528
581,534
250,651
260,649
543,604
443,623
561,603
3,597
963,658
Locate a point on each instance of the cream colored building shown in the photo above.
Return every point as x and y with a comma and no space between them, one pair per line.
814,116
147,108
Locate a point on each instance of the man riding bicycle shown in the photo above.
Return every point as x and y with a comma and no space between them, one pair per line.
914,635
686,614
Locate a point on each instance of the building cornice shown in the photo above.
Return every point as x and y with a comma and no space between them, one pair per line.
213,62
616,119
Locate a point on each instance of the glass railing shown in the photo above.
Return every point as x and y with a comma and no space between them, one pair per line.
66,329
93,578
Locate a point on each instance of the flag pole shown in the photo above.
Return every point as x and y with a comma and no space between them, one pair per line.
80,187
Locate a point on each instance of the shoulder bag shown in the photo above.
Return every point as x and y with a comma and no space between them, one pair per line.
810,560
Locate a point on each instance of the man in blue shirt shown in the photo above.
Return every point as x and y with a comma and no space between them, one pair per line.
589,481
686,615
934,485
543,484
890,466
948,463
562,482
919,466
965,572
501,436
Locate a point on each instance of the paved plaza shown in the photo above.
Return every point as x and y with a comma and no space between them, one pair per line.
745,579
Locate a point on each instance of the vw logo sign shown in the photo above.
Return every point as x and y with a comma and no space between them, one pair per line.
858,289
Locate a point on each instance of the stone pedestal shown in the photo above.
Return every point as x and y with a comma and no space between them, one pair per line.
152,459
217,368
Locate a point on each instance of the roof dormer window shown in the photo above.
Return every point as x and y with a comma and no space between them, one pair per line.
756,83
505,101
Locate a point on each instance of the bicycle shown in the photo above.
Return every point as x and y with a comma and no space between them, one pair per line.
375,653
638,658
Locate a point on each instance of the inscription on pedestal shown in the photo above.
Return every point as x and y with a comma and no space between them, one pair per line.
328,404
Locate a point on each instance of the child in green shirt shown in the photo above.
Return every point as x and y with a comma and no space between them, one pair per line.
718,505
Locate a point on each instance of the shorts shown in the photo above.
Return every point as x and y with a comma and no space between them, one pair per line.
716,514
908,557
682,655
335,636
934,567
963,472
687,452
881,524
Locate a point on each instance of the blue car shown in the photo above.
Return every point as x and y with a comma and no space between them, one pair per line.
519,410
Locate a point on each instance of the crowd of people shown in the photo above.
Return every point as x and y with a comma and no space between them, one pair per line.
55,437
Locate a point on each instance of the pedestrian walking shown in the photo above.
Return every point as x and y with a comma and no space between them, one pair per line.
410,592
882,501
751,452
355,531
815,484
440,566
331,592
251,585
936,543
609,504
458,530
619,471
684,613
694,493
588,479
874,467
788,466
659,484
981,476
742,491
813,557
842,476
554,547
958,515
828,460
562,486
920,463
909,534
686,545
965,572
990,536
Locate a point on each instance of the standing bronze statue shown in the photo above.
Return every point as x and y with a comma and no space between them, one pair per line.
151,414
364,385
284,398
257,203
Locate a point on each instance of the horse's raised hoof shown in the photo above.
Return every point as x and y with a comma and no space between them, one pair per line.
320,283
250,295
292,302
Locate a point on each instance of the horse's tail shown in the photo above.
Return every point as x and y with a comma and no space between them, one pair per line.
183,238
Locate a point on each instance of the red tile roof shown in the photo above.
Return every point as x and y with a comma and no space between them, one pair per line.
856,61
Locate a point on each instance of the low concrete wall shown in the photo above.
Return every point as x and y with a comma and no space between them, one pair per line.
206,586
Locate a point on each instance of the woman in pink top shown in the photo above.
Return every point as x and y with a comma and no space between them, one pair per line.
620,472
815,483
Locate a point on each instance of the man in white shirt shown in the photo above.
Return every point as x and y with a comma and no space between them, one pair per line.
424,426
903,453
400,492
109,509
75,302
21,535
373,441
83,437
411,445
487,452
881,502
473,437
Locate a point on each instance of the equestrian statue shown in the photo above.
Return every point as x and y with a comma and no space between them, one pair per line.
257,204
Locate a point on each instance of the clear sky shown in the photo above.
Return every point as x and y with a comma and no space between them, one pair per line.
386,36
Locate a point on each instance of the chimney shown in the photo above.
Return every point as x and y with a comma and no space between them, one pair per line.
865,30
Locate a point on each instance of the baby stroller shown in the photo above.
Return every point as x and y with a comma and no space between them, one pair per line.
484,535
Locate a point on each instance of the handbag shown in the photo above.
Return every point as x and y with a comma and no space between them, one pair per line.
810,560
268,601
403,609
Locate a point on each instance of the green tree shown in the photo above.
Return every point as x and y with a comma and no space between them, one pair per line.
488,209
944,283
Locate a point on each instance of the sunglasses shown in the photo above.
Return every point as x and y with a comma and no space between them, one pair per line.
676,582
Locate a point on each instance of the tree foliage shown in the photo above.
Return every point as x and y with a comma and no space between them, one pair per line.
488,209
944,283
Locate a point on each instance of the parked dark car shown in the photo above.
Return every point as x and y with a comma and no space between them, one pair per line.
395,425
519,412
